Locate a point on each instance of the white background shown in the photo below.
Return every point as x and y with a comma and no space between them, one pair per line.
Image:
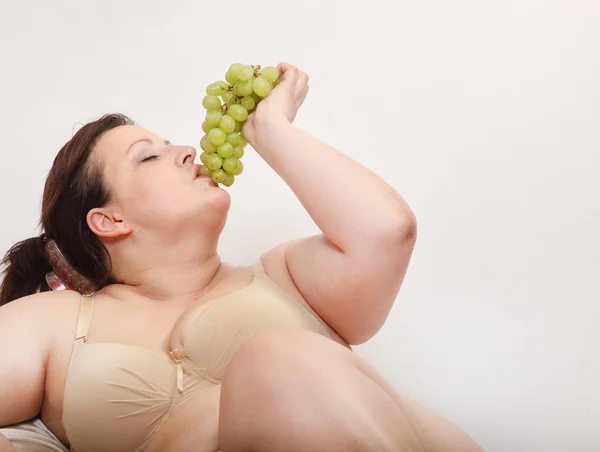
484,115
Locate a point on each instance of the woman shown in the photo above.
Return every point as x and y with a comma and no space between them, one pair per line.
164,347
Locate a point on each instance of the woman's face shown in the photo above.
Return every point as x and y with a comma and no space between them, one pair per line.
155,185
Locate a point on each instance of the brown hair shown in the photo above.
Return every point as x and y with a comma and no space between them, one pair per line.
73,187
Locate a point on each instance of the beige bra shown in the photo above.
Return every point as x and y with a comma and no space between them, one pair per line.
117,396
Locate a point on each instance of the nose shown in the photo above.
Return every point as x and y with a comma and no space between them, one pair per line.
185,155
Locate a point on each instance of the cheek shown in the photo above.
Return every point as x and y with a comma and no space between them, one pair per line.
152,198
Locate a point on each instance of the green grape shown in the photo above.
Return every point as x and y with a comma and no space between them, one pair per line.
269,73
223,145
231,78
236,139
230,165
227,124
227,96
211,102
237,112
225,150
238,152
244,88
248,103
216,136
205,171
261,86
218,176
213,117
236,89
245,73
214,89
207,146
229,180
214,161
240,169
234,69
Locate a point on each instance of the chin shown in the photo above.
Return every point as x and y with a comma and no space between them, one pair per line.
216,201
222,198
204,217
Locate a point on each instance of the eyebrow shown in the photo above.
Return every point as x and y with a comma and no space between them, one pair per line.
147,140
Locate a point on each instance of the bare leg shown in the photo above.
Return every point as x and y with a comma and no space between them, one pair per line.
298,391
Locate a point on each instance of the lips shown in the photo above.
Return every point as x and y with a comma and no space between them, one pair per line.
197,175
196,169
210,181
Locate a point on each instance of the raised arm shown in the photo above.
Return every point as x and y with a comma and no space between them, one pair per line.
352,272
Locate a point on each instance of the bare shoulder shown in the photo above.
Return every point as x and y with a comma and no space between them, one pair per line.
42,312
36,327
45,302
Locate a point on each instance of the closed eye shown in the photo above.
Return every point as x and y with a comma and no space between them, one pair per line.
150,157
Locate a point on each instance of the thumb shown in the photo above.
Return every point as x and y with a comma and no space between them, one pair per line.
247,127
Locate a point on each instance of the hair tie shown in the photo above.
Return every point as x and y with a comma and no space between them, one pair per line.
64,276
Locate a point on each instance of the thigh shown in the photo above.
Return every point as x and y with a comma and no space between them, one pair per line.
323,380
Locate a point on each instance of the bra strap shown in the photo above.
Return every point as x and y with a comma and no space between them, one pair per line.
85,317
257,268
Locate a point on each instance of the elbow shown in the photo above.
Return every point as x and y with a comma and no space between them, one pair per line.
401,228
408,226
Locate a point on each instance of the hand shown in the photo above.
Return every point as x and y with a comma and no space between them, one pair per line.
279,107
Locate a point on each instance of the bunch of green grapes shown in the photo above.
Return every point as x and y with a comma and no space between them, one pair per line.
228,103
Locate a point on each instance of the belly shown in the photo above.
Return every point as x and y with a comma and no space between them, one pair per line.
193,426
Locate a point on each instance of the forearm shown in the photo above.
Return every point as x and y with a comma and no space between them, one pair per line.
347,201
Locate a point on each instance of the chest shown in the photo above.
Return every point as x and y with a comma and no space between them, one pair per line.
208,334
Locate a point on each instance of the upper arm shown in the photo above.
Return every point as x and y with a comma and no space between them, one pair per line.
352,290
24,346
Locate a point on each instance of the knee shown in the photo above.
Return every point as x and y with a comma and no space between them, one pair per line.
268,356
278,361
261,377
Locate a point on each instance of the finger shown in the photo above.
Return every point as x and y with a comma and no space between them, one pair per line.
303,79
283,67
303,95
288,72
247,125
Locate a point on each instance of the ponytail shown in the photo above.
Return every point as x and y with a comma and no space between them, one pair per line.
25,267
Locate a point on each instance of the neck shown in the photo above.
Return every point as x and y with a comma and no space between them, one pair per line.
172,277
176,281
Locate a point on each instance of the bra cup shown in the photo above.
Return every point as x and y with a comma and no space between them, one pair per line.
117,396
